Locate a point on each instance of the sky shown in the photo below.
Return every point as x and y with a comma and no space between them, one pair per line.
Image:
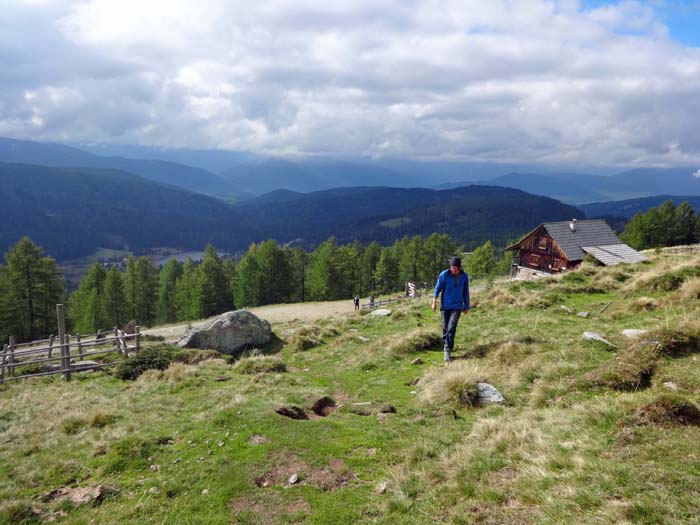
555,82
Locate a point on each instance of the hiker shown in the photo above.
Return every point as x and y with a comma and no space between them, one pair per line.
453,283
356,300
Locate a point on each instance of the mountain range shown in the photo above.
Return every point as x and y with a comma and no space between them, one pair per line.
73,211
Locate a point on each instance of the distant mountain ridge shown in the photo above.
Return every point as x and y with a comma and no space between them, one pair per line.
629,207
581,188
59,156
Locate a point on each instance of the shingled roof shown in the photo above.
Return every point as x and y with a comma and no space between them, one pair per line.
590,236
586,233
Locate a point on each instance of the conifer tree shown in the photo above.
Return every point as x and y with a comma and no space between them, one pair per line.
387,274
185,291
275,285
86,307
115,303
141,286
32,287
212,295
166,310
247,279
323,277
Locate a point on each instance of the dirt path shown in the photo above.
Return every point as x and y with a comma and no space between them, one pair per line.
277,313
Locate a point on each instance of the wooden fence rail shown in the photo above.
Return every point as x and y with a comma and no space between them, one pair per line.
71,355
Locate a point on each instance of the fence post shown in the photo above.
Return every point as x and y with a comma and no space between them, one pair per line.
11,350
137,339
80,347
65,352
116,341
2,363
51,345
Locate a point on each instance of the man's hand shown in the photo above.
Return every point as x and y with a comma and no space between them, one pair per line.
434,303
465,312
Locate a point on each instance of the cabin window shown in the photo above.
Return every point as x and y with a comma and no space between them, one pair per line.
542,243
557,264
534,260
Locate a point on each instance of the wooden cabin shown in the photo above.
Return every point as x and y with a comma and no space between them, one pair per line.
554,247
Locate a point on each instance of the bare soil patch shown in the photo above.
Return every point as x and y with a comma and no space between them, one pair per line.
335,475
257,439
293,412
324,406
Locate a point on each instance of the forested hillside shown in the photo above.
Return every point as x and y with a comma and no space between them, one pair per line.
471,215
71,212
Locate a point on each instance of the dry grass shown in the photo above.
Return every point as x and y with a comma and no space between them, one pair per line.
453,385
690,290
418,339
175,373
192,356
666,275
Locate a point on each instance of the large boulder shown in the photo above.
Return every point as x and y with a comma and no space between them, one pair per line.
229,333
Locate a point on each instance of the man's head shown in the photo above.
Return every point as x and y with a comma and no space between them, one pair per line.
455,265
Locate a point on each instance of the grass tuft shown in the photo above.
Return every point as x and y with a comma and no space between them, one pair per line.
667,410
18,513
261,365
413,341
452,386
192,356
630,370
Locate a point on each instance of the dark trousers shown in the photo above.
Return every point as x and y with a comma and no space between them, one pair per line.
450,318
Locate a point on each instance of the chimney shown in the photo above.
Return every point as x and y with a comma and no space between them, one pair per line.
572,225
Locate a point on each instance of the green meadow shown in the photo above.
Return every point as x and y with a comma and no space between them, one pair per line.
336,422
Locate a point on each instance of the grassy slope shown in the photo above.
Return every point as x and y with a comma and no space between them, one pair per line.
176,446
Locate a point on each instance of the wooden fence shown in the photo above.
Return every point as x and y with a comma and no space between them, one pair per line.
379,302
64,354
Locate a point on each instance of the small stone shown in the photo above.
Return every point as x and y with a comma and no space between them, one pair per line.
293,478
177,460
220,443
417,361
593,336
201,458
381,488
381,312
221,378
634,333
566,309
155,468
205,492
583,314
671,385
153,490
362,338
413,392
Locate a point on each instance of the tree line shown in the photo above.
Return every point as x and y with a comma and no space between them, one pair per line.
665,225
31,285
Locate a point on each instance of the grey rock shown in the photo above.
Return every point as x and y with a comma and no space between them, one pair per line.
583,314
362,338
229,333
489,394
381,312
594,336
293,478
566,309
381,488
671,385
84,366
633,333
417,361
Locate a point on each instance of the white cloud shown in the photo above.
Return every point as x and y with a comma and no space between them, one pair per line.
526,81
696,174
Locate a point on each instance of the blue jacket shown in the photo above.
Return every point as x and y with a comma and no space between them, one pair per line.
453,297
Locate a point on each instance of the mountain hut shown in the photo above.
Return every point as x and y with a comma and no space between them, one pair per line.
554,247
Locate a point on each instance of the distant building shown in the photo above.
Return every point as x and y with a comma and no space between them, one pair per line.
554,247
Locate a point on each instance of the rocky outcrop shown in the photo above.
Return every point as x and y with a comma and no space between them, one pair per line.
230,333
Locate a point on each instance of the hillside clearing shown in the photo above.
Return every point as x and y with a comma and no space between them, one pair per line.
343,424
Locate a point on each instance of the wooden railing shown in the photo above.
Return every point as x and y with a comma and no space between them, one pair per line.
65,354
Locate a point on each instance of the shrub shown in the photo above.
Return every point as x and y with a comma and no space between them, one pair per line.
192,356
690,290
627,371
307,338
154,358
645,304
260,365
